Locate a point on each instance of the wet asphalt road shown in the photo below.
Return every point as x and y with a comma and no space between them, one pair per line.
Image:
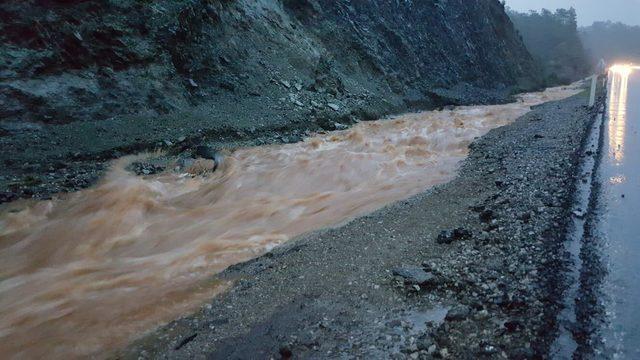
619,218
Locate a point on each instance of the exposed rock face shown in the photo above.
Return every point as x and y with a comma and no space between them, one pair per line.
64,61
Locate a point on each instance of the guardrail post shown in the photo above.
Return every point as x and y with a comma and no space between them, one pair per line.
592,97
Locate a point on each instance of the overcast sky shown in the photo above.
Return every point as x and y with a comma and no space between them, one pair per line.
626,11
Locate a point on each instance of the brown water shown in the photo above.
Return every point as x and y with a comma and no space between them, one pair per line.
86,274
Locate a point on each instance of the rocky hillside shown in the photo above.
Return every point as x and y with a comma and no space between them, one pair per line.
85,60
93,79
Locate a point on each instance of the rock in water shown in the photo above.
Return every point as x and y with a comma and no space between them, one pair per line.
208,152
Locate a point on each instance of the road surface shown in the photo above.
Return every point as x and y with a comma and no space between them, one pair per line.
619,223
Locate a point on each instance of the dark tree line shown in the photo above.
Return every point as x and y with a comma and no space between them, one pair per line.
613,42
553,40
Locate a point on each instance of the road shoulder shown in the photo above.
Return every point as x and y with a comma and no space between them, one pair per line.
361,289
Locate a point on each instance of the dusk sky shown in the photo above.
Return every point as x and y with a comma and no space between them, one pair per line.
626,11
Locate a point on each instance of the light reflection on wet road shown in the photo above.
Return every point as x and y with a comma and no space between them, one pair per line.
620,222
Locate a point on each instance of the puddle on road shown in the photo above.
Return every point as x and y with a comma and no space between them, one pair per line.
420,320
90,272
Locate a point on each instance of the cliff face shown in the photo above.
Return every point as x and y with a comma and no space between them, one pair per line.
82,82
63,61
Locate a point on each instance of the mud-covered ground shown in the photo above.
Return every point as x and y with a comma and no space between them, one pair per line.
39,161
391,284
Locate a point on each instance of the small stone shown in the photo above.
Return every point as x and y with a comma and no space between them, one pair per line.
525,217
333,107
425,342
286,353
458,313
486,216
488,350
341,126
449,236
512,326
413,275
193,83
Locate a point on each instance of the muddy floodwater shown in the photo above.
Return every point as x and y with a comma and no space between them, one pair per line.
89,272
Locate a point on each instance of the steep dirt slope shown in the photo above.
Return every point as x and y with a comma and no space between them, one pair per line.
86,81
90,60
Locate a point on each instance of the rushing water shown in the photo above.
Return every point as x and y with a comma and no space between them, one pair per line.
90,272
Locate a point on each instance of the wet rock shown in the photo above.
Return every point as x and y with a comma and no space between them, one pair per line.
486,216
227,84
425,342
285,353
145,168
185,341
325,123
458,313
206,152
340,126
7,196
333,107
512,326
525,217
413,275
449,236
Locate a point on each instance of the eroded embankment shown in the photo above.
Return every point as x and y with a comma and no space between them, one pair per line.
98,79
88,272
333,294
